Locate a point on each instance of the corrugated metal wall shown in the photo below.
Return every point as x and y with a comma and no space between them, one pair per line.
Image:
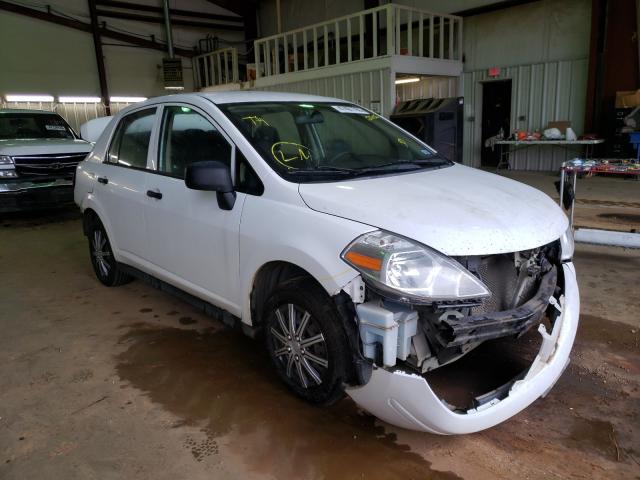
541,92
363,88
428,87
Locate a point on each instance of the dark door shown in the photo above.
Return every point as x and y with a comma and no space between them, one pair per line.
496,111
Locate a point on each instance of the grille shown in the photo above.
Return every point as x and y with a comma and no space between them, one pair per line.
499,273
59,165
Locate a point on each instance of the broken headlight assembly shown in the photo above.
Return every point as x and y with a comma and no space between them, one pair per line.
411,272
567,245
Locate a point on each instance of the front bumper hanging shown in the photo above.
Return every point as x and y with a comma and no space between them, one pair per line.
461,331
407,400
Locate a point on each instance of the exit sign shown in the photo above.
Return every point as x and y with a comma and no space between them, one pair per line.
494,72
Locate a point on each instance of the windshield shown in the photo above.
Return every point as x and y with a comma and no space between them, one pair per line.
33,125
314,142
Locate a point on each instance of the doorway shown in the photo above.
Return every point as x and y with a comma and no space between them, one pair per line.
496,114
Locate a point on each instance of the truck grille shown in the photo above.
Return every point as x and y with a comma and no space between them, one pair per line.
57,165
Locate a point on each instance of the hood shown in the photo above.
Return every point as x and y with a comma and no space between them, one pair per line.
457,210
43,146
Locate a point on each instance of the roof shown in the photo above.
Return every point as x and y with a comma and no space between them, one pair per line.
25,110
219,98
240,97
260,96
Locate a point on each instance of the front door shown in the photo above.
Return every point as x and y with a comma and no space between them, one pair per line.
496,114
192,242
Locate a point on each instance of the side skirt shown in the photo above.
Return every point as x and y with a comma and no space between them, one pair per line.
205,307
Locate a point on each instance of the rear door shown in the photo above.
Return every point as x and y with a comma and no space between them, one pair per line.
121,184
192,242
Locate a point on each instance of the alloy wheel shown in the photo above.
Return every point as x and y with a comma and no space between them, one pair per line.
300,345
101,252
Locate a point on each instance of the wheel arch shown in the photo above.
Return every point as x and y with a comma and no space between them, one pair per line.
267,278
88,216
274,274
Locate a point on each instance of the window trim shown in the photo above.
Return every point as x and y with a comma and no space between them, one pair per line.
153,151
160,123
237,174
116,130
209,117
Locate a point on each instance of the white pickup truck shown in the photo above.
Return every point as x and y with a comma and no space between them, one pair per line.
39,153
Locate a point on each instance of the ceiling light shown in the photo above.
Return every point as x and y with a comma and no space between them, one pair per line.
127,99
79,99
407,80
174,88
29,98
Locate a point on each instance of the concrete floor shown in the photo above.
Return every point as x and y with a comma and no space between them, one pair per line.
129,382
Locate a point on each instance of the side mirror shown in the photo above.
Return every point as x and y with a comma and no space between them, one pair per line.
212,176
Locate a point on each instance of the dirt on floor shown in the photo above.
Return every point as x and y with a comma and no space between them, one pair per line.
130,382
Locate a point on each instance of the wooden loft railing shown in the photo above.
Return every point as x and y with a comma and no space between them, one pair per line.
382,31
219,67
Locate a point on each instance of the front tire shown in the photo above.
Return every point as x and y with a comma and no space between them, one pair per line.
105,266
306,342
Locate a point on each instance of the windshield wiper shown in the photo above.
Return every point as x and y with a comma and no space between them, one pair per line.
403,164
324,170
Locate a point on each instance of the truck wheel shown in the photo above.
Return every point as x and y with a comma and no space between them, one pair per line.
306,342
105,266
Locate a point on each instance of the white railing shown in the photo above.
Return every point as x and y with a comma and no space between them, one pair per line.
382,31
216,68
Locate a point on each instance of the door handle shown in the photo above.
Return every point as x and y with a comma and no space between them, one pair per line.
152,194
103,180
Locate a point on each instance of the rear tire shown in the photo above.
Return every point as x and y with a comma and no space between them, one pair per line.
105,266
306,342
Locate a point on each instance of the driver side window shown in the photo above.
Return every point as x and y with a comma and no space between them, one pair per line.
188,137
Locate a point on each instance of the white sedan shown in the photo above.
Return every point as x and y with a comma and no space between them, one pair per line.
363,258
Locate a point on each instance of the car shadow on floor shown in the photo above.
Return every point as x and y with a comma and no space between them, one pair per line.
35,218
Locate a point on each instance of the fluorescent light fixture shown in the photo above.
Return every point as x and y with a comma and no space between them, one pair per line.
29,98
127,99
79,99
400,81
174,88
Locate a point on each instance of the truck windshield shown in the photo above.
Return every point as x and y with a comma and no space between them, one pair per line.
33,125
315,142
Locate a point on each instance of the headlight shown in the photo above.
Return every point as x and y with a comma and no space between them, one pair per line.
410,270
567,245
7,169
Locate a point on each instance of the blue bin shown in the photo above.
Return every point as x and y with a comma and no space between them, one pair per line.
634,139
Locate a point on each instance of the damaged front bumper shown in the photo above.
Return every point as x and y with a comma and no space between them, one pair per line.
518,320
407,400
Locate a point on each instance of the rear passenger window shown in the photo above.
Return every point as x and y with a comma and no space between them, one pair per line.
188,137
130,144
